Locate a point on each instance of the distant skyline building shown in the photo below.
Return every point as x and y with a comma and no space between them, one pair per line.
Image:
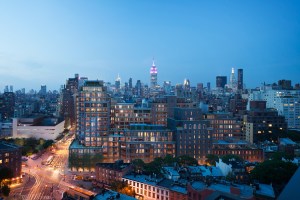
130,83
118,82
43,90
153,76
138,88
7,105
208,86
240,83
221,81
232,83
285,84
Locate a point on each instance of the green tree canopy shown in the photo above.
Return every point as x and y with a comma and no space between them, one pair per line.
5,173
138,165
169,160
187,160
5,190
274,171
279,155
212,159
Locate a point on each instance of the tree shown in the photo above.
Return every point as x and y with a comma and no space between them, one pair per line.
5,190
187,160
153,167
138,165
279,155
169,160
5,173
122,187
274,171
211,159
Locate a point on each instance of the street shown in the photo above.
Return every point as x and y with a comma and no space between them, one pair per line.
43,181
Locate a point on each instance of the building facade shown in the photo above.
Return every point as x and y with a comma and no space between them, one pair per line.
11,157
109,172
146,142
192,134
153,76
221,81
48,128
68,107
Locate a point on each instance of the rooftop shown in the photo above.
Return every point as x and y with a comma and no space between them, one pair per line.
206,171
8,146
291,190
110,194
286,141
75,145
144,179
266,190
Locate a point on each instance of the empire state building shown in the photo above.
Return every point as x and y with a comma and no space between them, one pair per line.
153,76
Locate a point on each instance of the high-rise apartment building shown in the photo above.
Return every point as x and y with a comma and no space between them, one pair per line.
261,121
225,126
69,93
93,126
93,114
146,142
192,134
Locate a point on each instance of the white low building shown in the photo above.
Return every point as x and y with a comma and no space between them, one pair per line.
147,188
47,128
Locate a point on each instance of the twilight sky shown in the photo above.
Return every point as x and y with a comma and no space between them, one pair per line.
46,42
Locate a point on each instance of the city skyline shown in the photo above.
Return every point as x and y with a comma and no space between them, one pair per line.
99,40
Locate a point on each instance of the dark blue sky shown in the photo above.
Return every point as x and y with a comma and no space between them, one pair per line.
45,42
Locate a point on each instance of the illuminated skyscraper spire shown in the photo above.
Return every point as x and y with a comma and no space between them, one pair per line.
232,79
153,75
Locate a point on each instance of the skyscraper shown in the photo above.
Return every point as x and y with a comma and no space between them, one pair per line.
153,76
69,93
232,79
118,82
130,83
92,142
240,80
221,81
208,86
43,90
93,114
138,88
